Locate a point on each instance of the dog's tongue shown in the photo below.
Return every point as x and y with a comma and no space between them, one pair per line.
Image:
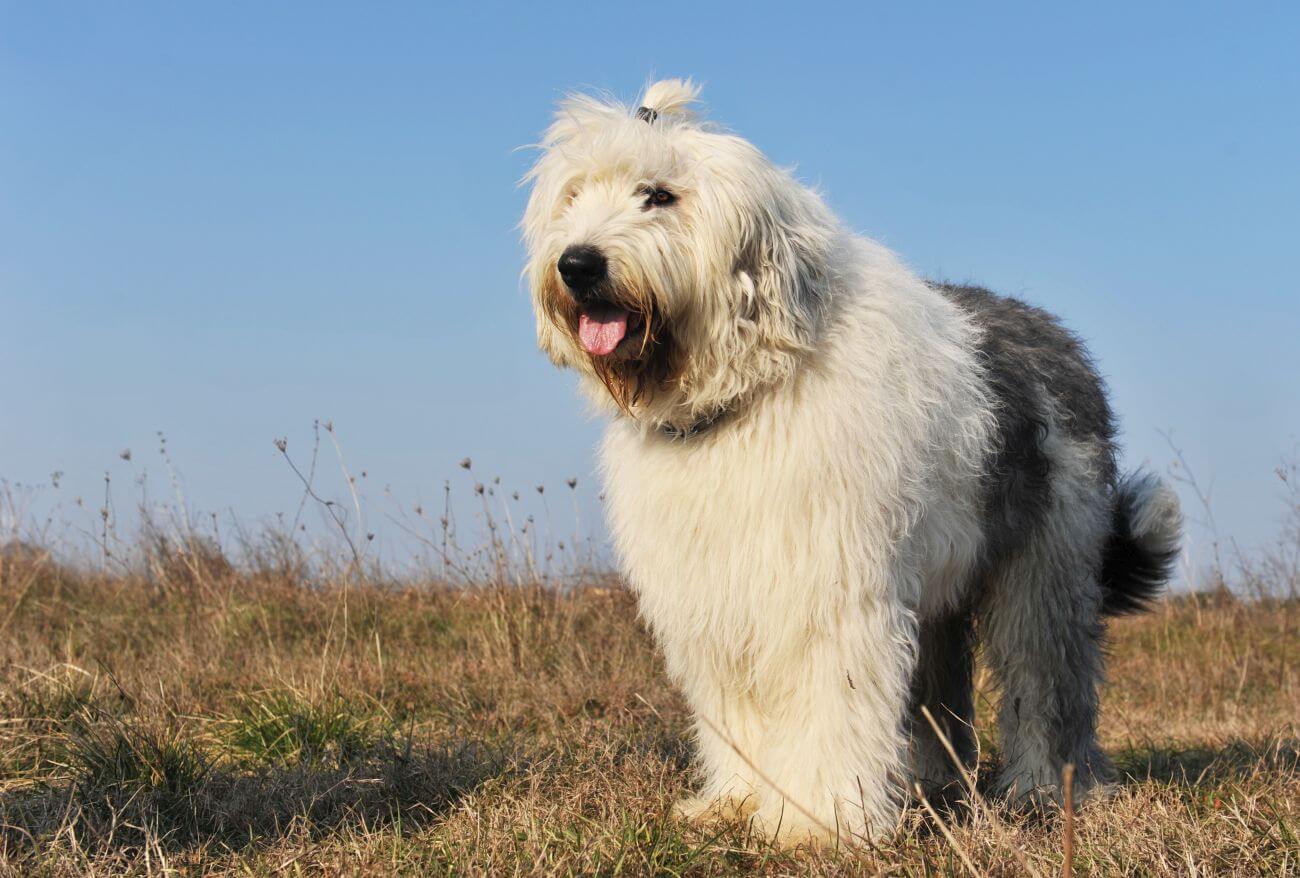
601,329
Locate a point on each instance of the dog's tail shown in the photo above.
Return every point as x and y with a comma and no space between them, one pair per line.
1143,547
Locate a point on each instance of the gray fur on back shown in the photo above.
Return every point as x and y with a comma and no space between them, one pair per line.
1041,376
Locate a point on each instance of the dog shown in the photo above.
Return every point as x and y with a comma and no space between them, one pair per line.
826,477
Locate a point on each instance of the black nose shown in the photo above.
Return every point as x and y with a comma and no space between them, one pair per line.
582,267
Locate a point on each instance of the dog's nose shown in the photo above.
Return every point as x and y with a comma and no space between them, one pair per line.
582,267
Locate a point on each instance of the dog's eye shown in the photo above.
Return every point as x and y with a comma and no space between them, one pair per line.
658,197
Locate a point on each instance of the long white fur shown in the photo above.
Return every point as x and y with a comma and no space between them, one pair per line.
784,557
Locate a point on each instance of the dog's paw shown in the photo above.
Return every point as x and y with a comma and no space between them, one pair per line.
1034,792
703,809
812,836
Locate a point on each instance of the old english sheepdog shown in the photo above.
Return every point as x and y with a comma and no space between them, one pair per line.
827,476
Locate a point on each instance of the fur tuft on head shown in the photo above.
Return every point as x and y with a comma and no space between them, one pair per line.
671,97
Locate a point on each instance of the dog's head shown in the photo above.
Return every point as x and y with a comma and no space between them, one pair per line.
670,262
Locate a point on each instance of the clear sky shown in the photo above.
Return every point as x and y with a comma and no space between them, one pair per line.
224,220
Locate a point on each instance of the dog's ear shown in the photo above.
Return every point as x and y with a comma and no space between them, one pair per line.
782,271
668,98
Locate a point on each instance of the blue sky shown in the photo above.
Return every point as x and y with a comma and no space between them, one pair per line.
225,220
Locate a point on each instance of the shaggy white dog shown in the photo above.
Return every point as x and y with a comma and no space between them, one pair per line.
826,474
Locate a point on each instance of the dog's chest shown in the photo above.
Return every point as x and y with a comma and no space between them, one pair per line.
736,548
756,542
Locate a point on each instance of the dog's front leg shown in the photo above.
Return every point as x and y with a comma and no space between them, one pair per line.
832,764
729,725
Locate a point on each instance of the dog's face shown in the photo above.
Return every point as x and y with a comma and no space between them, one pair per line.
668,262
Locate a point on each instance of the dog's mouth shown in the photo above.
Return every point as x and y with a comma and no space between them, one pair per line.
603,328
629,346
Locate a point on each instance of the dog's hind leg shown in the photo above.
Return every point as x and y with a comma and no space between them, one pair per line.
1040,623
942,684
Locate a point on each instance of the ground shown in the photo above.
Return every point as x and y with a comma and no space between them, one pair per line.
188,716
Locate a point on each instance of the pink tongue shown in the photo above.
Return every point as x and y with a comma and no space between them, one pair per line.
601,329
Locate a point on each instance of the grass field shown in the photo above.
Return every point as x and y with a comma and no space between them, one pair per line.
197,718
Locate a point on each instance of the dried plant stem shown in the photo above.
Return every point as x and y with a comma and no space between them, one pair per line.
1067,840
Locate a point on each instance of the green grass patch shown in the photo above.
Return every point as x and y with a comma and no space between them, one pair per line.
286,727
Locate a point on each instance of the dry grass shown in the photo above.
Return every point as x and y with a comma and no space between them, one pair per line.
200,718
